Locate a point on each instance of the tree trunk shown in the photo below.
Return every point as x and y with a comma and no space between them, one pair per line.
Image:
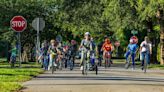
162,44
160,17
150,33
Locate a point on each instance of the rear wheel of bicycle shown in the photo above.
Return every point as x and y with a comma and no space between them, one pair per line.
106,63
53,69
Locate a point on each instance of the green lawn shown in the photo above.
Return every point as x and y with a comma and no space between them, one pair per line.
11,78
156,66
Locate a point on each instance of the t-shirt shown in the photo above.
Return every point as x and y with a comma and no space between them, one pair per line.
13,52
53,50
86,44
132,47
44,51
107,47
145,46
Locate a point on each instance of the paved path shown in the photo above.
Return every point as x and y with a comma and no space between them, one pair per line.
114,79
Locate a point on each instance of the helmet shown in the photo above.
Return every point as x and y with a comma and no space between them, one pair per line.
52,41
134,40
107,40
87,33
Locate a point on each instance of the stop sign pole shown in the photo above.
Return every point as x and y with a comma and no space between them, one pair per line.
18,24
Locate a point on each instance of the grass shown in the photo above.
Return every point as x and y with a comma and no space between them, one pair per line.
156,66
11,78
9,86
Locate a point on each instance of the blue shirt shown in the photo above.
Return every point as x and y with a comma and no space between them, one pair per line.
132,47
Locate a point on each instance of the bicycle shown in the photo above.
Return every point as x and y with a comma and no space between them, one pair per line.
94,64
107,59
127,65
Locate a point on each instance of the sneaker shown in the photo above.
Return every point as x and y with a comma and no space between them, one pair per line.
81,68
48,68
142,68
55,64
133,68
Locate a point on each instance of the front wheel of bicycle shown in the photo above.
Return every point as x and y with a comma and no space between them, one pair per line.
96,69
145,66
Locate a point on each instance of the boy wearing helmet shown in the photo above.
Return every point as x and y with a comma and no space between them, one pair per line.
131,50
107,47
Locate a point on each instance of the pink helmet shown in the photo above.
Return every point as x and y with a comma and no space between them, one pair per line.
73,42
134,40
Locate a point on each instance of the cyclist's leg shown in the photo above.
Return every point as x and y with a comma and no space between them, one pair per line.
127,55
82,58
104,52
142,58
88,59
50,62
147,57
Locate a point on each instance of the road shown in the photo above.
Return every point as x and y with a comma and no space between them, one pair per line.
113,79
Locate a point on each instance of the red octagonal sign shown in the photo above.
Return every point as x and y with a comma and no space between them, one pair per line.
18,23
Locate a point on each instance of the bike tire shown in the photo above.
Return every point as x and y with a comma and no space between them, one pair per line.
106,63
96,68
145,66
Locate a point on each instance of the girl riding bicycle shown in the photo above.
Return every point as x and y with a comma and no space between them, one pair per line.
107,48
131,50
53,53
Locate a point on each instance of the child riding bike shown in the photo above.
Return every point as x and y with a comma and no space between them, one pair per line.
107,48
53,53
131,51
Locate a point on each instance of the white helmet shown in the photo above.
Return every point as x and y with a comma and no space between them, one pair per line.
87,33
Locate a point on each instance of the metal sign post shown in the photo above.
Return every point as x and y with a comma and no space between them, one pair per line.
19,49
38,24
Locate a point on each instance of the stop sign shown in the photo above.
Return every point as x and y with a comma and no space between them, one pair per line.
18,23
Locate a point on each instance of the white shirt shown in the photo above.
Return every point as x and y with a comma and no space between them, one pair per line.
145,46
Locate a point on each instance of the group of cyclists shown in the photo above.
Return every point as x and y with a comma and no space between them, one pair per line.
59,55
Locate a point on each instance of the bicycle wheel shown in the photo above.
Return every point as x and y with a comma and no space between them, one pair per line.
53,68
106,63
145,66
71,64
109,63
96,69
